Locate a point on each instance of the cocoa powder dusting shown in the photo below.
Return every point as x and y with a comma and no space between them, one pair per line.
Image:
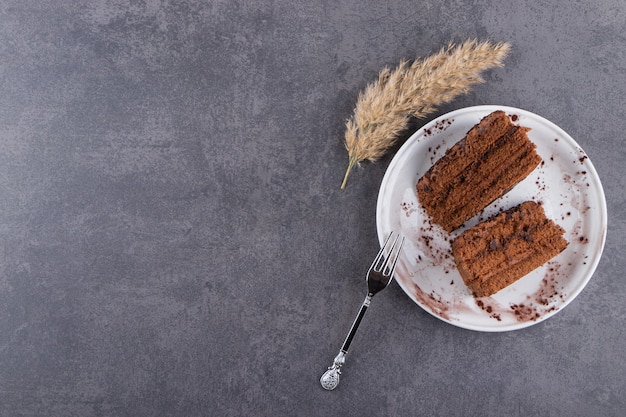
489,306
440,126
525,312
408,208
432,301
536,305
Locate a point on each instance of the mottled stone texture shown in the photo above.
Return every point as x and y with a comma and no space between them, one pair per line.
174,241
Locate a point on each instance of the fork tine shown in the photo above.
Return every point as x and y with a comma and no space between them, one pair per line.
395,258
389,256
380,254
380,267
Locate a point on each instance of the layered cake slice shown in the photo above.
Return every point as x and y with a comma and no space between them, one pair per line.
493,156
497,252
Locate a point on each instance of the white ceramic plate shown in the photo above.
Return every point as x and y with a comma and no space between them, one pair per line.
565,182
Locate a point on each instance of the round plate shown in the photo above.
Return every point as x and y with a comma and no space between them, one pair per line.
565,182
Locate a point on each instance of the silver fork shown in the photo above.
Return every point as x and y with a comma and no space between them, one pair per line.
378,277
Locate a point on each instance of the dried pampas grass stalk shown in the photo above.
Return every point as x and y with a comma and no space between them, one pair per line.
384,109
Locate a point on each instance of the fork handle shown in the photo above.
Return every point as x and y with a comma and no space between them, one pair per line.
355,324
330,378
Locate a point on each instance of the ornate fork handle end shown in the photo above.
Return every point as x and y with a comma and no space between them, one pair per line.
330,378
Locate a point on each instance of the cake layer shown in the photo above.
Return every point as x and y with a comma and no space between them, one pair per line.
493,156
497,252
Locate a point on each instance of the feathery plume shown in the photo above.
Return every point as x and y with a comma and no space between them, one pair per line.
384,109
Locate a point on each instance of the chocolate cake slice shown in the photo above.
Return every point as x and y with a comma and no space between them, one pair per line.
497,252
493,156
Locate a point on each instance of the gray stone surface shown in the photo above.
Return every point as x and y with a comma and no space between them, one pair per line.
174,241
